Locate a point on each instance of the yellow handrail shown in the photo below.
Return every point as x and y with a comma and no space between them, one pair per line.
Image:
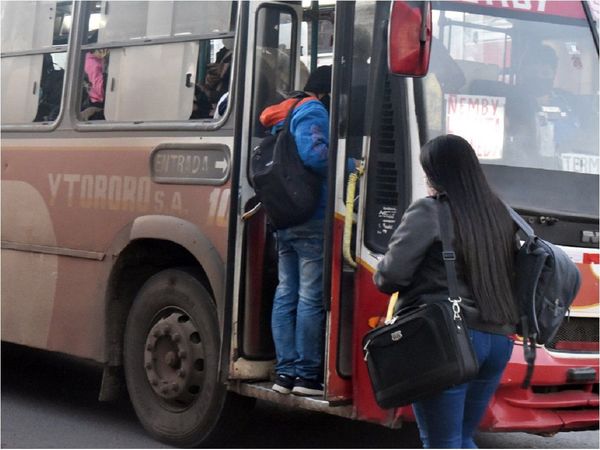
348,219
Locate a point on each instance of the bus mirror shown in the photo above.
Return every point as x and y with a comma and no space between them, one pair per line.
409,38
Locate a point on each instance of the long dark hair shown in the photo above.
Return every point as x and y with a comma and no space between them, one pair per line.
483,225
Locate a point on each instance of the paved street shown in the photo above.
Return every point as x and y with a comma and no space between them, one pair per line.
50,401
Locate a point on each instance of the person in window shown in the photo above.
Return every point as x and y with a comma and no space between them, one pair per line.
298,316
485,249
51,85
540,121
218,74
95,67
215,87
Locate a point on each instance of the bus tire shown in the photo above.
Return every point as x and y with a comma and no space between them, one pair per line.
171,357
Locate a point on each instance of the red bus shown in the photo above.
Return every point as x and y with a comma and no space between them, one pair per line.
126,234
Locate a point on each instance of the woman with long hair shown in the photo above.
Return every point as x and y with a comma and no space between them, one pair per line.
485,248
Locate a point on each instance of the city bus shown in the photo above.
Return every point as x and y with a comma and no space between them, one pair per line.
131,235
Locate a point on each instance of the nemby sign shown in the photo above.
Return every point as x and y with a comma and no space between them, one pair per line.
480,120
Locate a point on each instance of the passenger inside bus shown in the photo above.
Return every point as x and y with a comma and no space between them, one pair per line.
51,85
540,121
211,92
95,67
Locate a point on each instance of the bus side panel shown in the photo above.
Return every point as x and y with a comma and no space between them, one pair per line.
25,217
79,197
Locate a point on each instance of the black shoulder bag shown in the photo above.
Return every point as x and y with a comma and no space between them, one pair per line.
424,349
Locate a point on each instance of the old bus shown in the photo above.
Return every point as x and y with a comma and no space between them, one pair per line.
126,234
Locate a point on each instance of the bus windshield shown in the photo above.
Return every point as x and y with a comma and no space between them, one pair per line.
522,87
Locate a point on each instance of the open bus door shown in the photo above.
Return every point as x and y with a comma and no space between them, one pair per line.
367,126
273,70
281,52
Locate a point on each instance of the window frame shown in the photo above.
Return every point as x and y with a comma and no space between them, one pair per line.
294,61
190,124
61,48
296,21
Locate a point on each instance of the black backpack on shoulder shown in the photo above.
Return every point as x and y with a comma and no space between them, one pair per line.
547,282
288,190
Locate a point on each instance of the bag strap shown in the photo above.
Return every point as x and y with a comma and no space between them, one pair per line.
448,254
288,118
521,223
529,349
529,338
446,235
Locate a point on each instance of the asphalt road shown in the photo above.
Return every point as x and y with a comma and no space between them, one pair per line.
50,401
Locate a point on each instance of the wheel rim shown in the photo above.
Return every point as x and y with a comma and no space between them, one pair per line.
174,359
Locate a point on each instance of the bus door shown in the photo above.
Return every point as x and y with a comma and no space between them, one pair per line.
280,52
353,39
273,69
377,125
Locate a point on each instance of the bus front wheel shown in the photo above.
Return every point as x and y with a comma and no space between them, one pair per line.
171,357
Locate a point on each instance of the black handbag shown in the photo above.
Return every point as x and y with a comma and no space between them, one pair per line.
426,348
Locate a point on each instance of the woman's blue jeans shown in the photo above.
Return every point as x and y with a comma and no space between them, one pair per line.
450,419
298,317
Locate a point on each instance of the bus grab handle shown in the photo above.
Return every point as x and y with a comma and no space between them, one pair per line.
349,217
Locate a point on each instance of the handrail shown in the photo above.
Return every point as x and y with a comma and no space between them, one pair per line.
348,219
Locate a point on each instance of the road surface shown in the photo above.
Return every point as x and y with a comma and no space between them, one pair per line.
50,401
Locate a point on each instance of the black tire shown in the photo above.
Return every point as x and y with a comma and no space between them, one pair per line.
171,356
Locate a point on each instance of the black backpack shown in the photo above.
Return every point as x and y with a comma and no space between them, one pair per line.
288,190
547,282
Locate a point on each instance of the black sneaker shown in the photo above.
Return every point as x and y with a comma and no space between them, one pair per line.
307,387
283,383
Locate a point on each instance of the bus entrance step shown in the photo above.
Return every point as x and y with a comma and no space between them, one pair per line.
262,391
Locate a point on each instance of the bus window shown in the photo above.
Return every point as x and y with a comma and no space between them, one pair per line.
212,79
34,44
324,44
177,73
362,42
149,82
122,21
526,100
51,84
274,64
537,120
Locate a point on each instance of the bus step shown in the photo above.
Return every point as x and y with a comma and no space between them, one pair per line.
262,391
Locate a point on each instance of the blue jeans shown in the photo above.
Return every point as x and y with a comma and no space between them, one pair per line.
298,317
449,419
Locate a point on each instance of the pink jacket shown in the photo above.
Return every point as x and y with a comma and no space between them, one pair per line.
93,68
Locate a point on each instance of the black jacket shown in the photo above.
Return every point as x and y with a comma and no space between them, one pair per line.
413,265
